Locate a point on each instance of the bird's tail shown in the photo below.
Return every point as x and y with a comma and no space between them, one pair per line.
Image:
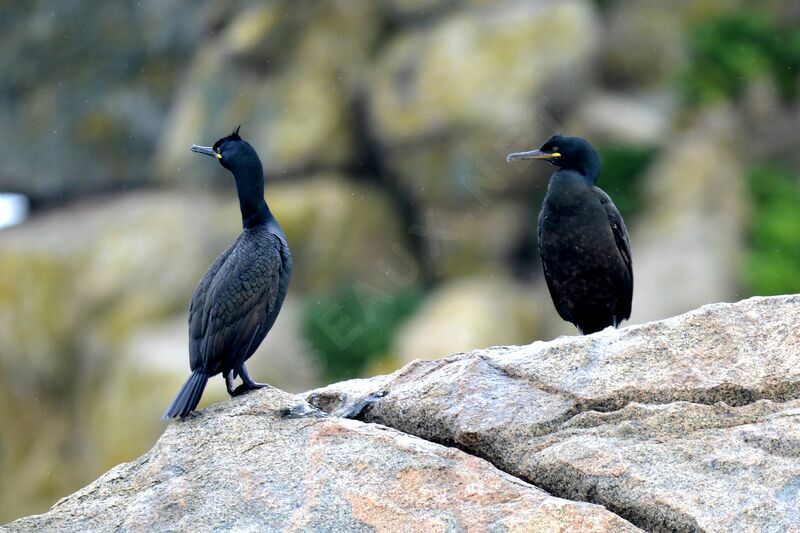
188,397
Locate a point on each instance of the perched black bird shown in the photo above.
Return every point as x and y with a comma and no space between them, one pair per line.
583,242
238,300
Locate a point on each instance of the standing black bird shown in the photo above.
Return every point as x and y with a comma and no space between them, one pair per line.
583,242
238,300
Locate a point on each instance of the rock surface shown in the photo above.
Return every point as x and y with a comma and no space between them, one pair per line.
82,109
691,423
450,100
266,461
296,64
513,49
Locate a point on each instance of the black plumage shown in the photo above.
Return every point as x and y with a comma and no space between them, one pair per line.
583,242
237,301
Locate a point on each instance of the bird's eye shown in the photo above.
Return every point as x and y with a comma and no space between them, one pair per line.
555,149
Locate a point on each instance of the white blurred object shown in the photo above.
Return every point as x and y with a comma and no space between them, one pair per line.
13,209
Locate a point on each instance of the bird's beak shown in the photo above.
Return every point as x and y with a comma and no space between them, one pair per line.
533,154
207,150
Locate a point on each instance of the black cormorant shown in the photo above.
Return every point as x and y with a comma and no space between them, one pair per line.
237,301
583,242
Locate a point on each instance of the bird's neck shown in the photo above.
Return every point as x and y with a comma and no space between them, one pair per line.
568,188
590,168
250,188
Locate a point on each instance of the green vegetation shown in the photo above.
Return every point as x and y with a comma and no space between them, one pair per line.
623,167
773,259
731,50
355,325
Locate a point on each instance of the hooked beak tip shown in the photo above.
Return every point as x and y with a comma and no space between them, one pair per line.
205,150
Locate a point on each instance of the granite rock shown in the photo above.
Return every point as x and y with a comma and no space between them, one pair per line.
687,424
269,462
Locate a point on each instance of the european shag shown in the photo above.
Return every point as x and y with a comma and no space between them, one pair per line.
237,301
583,242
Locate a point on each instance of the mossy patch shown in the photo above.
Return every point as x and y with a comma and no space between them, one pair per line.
356,324
729,51
772,265
623,167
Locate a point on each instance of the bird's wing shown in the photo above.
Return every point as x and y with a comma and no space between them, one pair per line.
198,317
623,246
563,305
239,298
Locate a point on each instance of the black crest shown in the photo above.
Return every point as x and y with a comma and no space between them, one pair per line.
232,137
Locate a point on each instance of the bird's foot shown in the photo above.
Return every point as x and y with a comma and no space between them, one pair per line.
230,384
247,386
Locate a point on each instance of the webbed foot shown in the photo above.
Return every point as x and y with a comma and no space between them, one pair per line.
247,383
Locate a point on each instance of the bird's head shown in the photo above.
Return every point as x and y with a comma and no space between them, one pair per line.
572,153
232,152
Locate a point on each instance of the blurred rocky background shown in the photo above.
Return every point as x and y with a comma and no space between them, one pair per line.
383,126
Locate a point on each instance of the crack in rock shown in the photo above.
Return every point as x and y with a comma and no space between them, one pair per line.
654,422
